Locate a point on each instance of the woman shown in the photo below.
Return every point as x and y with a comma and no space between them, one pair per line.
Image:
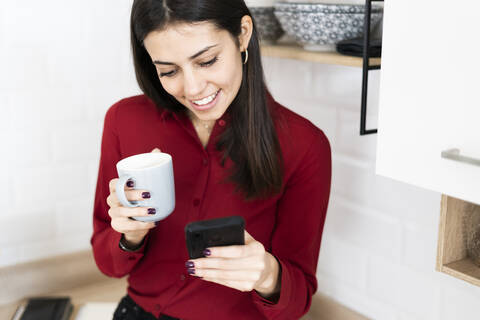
235,150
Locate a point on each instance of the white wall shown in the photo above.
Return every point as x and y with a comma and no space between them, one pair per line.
58,75
380,240
62,64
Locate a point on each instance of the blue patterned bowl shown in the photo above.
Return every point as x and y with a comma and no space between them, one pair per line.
307,7
318,27
267,25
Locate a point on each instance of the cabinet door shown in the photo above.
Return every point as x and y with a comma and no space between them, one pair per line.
430,95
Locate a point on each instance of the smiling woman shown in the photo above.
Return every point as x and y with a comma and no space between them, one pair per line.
184,40
207,81
235,151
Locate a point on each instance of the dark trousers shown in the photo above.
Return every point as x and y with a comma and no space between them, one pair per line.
127,309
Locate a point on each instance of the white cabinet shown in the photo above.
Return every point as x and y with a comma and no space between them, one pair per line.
430,95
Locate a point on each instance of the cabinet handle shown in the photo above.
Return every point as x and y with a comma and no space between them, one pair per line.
454,154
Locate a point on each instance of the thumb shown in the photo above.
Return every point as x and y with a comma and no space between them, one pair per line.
156,150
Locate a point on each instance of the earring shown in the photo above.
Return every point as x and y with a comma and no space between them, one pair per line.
246,56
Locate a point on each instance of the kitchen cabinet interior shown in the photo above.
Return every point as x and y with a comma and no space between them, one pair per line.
458,239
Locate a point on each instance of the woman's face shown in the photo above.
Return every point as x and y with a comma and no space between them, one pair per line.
199,65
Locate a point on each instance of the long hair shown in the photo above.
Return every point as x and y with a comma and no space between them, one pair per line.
250,141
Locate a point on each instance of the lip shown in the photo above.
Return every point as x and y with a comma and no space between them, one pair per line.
209,105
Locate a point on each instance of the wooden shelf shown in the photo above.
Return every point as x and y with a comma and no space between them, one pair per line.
452,255
463,269
293,51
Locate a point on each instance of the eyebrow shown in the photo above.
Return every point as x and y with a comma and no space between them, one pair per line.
190,58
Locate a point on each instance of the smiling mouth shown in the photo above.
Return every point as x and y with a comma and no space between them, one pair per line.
205,101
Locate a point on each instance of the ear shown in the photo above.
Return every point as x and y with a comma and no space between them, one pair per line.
246,33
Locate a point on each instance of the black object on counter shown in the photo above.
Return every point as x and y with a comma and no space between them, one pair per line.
354,47
51,308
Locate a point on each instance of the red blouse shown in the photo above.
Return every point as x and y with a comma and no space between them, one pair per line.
289,225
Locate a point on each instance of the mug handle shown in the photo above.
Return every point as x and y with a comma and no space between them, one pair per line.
120,190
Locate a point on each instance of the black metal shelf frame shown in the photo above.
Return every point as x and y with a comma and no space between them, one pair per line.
366,67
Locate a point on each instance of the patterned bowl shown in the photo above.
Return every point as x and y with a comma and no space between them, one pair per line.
318,27
267,25
313,7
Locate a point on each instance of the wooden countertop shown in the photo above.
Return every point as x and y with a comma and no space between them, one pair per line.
100,288
112,290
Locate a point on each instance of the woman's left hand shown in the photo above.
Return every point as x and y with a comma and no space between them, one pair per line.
244,267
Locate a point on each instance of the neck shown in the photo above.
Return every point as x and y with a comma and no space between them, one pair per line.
201,124
195,119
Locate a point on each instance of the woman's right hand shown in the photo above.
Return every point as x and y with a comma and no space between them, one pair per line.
121,217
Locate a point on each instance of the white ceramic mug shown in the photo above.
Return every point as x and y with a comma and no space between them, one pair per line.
152,172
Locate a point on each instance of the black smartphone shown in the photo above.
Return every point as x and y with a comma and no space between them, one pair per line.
203,234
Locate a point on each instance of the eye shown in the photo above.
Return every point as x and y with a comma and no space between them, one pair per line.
167,74
209,63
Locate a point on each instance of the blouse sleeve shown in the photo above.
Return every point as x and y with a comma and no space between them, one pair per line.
297,235
110,259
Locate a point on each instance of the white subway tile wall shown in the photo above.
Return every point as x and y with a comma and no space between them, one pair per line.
63,64
380,240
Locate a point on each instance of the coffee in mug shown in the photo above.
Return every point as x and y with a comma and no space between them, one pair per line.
152,172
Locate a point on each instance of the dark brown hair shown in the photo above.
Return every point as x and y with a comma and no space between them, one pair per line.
250,141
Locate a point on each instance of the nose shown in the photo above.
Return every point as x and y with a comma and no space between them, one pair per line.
193,84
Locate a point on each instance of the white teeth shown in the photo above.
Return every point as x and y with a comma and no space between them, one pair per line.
206,100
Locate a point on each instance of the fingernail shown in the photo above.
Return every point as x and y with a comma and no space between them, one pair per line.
207,252
130,183
146,195
189,264
152,211
191,271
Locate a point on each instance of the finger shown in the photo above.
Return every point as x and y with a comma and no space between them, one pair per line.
249,263
244,286
124,225
236,275
112,185
132,195
137,195
156,150
112,201
241,251
126,212
248,238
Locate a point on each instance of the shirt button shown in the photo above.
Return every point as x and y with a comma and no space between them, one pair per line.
205,161
182,277
221,122
157,307
196,202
